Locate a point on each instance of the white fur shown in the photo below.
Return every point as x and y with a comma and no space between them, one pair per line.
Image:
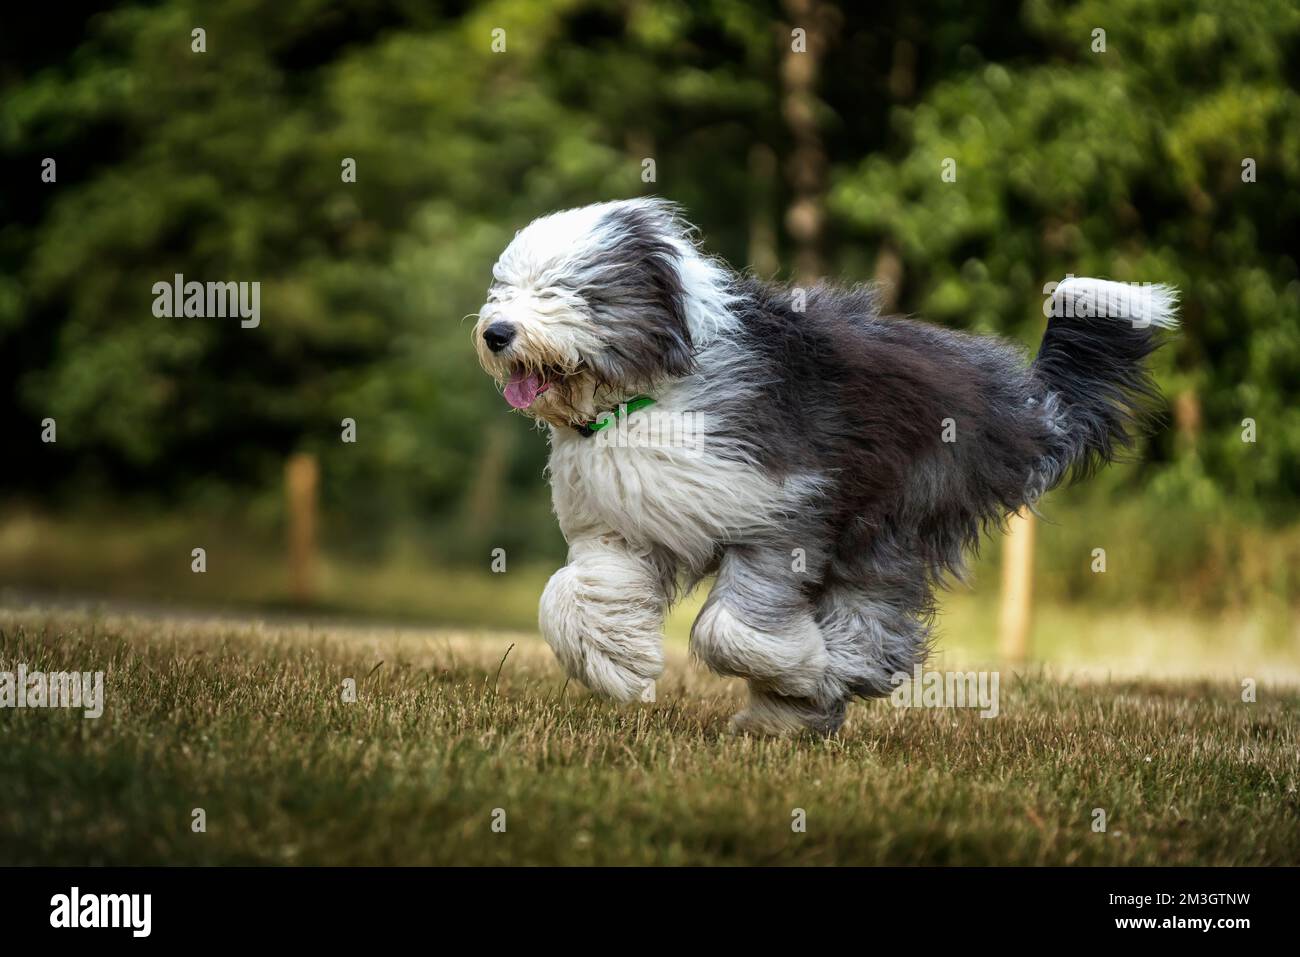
602,614
555,247
684,500
549,247
1143,304
615,502
708,301
636,515
618,505
790,663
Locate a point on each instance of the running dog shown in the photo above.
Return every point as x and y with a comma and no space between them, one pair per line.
844,465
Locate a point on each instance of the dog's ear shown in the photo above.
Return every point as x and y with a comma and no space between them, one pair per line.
638,298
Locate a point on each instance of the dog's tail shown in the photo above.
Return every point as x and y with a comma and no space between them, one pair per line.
1092,366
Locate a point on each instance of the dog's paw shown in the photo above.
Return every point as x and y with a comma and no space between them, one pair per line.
773,715
607,639
618,678
793,663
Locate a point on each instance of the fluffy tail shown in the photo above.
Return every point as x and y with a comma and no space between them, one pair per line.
1092,366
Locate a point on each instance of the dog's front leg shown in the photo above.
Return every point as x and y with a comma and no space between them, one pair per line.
602,614
758,624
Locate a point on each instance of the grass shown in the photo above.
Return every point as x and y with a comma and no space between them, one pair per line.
146,562
247,722
1213,578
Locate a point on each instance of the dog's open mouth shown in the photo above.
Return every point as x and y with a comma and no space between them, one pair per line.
525,385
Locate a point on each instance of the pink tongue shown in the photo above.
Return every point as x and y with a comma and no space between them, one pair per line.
522,389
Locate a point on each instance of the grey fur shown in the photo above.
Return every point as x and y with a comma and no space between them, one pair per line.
841,412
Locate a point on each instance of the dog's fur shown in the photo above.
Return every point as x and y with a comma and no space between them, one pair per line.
822,492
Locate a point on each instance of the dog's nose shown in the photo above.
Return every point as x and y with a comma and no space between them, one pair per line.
498,335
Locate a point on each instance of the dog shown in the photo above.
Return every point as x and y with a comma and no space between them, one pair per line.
845,464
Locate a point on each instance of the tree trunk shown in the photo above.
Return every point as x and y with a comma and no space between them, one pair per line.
485,494
806,167
301,485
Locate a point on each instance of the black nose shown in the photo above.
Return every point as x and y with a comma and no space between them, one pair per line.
498,335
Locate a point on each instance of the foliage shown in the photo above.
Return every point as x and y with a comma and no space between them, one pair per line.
225,165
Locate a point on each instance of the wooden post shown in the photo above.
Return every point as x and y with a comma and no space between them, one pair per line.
1187,417
1017,587
806,166
763,171
483,505
889,275
301,482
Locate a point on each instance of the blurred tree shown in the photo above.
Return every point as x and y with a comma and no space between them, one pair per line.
811,25
1130,164
228,165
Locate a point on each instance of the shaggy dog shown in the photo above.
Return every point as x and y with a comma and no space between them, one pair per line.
840,466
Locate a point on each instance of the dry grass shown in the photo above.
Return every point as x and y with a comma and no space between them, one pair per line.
247,722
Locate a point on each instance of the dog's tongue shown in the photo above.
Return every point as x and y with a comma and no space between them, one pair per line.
522,389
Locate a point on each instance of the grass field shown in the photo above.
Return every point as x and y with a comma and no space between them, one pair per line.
247,722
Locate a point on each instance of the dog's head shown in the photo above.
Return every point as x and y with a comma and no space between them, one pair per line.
588,306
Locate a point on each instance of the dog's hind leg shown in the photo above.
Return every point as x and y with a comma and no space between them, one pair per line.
872,635
603,613
758,624
778,714
875,611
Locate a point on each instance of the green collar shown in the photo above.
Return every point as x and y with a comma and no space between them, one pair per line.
623,408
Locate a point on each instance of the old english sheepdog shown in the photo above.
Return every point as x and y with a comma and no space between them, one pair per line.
843,463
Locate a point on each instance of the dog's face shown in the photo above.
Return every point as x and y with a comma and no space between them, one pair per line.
587,307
